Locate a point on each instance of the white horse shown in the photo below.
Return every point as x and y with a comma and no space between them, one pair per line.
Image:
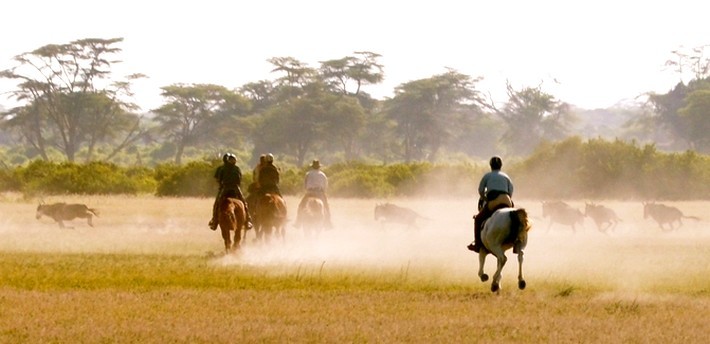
312,216
506,228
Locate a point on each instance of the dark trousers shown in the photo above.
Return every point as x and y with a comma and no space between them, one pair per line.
501,200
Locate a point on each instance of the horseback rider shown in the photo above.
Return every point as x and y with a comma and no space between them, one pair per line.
495,191
269,177
316,184
254,187
229,178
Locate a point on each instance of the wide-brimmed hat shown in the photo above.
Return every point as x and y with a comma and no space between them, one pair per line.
315,164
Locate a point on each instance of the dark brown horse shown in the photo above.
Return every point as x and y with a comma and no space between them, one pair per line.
270,216
231,218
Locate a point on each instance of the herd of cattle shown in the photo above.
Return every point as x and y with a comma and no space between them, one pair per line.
558,212
667,217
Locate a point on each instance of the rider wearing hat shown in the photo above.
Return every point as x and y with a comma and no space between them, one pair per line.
316,184
495,191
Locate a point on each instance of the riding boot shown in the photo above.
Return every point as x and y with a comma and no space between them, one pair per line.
213,221
249,224
476,246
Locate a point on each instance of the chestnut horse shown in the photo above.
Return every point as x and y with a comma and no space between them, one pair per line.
231,218
270,215
506,228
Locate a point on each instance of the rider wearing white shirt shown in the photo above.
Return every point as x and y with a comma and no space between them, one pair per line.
316,184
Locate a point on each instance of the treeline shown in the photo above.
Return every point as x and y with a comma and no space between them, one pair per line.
571,169
72,107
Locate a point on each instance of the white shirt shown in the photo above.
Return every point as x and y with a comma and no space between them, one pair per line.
316,180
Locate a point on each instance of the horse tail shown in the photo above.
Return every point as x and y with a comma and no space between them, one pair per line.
521,219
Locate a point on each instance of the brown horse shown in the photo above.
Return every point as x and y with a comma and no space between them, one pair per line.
270,217
231,218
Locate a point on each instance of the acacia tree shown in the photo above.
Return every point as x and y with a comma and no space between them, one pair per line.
697,114
424,111
532,115
361,69
71,101
194,114
680,127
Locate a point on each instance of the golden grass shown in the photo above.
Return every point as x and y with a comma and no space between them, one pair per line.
151,272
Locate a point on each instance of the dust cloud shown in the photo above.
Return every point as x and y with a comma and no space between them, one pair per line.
635,255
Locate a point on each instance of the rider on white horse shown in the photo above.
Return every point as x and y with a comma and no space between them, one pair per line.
316,184
496,191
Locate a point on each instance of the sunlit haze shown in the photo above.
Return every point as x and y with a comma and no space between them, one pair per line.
590,54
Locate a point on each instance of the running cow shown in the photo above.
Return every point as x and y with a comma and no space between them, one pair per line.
665,214
61,212
395,214
603,217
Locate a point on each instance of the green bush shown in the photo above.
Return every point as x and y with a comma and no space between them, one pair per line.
43,177
573,169
195,179
600,169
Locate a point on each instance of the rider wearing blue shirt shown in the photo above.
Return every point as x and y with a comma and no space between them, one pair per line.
496,191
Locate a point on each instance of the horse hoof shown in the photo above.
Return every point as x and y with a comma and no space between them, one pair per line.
484,278
521,285
495,287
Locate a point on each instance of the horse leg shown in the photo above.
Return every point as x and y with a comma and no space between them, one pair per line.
521,280
481,263
88,220
495,285
237,238
226,238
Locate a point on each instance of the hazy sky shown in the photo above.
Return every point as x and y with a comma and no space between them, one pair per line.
592,53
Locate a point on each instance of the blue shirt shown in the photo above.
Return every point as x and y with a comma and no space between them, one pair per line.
495,181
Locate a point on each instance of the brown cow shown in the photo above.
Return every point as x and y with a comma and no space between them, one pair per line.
395,214
663,214
562,213
61,212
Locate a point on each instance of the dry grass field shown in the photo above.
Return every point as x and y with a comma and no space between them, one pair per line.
151,271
